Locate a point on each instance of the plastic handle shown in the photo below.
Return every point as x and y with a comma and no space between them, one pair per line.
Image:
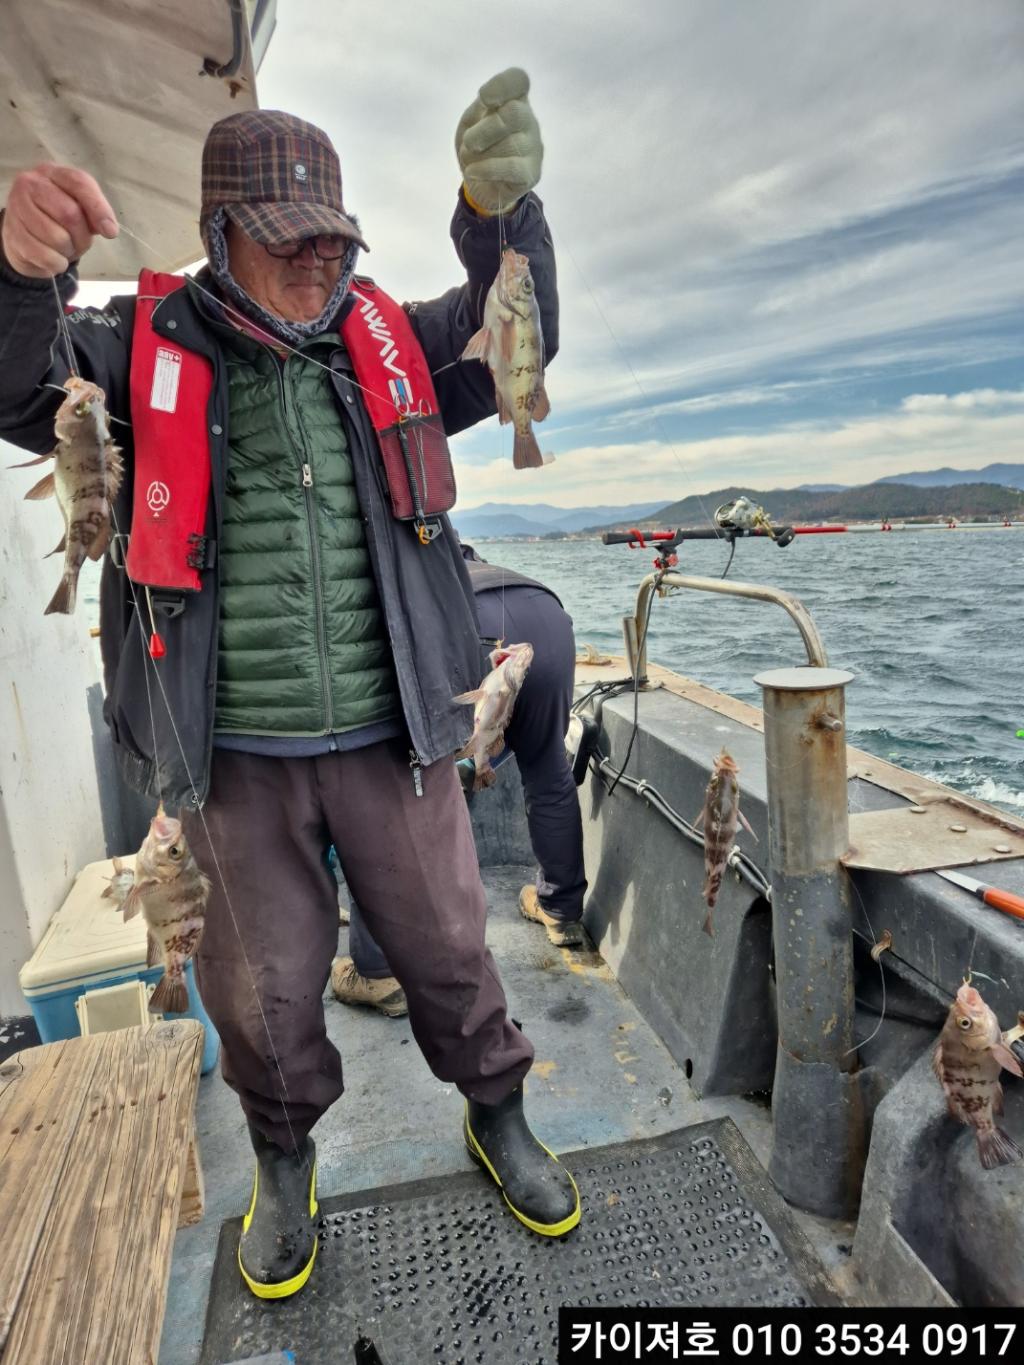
618,537
1004,900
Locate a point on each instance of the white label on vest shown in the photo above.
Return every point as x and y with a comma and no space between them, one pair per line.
166,377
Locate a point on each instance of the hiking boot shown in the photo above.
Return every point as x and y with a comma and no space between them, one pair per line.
384,995
563,933
278,1244
535,1185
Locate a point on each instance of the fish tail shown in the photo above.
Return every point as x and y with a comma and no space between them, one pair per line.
170,996
526,453
997,1148
706,926
63,600
485,777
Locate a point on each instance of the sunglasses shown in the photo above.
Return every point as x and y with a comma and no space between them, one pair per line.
327,246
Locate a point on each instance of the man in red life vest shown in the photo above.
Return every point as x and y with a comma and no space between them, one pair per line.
308,607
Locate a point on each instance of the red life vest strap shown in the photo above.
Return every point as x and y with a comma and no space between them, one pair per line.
399,395
170,395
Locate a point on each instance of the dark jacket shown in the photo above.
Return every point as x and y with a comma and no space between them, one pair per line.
424,590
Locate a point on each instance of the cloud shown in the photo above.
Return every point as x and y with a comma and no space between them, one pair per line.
963,402
773,224
901,440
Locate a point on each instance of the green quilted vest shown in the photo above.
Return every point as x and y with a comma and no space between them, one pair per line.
303,647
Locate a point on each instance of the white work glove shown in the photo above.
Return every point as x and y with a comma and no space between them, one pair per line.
498,144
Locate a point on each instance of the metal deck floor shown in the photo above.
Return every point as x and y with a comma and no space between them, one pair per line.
601,1076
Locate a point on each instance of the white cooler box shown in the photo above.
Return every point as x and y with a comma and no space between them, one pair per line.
89,948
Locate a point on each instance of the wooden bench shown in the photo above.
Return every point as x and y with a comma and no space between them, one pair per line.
97,1167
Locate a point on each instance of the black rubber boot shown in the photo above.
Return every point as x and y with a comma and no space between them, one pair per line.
278,1244
536,1186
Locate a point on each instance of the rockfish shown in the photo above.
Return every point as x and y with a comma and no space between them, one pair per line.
86,476
968,1058
493,701
511,345
171,892
721,818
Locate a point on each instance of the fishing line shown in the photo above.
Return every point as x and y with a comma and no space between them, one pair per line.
64,331
148,662
501,428
636,380
874,939
271,340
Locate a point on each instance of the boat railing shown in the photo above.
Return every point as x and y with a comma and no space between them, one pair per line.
634,627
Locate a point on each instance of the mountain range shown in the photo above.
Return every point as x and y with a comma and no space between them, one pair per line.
506,519
540,518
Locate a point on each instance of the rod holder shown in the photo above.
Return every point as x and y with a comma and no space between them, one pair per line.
819,1145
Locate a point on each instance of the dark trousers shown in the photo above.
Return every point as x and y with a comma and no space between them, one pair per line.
266,952
536,735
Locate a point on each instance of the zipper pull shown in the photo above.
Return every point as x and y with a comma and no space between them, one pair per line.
417,772
307,476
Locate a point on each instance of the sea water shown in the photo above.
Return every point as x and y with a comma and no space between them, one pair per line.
930,623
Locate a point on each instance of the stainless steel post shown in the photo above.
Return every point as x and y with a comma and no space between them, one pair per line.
819,1141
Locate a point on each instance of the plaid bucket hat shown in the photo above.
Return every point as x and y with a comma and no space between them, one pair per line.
276,176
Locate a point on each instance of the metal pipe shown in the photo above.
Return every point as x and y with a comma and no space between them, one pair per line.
818,1152
636,636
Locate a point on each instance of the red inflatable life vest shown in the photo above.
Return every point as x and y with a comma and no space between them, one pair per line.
171,388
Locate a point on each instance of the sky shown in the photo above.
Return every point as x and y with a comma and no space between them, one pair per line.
790,235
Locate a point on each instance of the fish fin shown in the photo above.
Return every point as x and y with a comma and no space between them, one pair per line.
699,820
132,902
100,545
469,698
153,954
937,1061
59,549
498,747
466,751
504,415
707,926
746,825
542,406
63,600
997,1148
170,996
526,452
45,488
478,345
508,339
27,464
1006,1059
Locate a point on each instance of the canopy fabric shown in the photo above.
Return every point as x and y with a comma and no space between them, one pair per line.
118,88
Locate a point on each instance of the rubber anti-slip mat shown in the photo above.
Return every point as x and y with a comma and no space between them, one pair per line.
440,1270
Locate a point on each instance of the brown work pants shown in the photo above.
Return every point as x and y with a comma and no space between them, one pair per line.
266,952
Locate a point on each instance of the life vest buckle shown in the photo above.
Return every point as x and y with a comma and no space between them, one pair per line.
169,604
117,549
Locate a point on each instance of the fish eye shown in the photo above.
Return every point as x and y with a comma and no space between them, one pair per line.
175,851
965,1023
528,285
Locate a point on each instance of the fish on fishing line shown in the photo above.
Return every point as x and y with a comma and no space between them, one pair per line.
721,818
171,892
492,704
511,345
967,1061
85,480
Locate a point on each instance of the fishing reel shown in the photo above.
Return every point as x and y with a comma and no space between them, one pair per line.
741,515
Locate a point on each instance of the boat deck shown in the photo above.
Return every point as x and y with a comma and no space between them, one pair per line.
601,1076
